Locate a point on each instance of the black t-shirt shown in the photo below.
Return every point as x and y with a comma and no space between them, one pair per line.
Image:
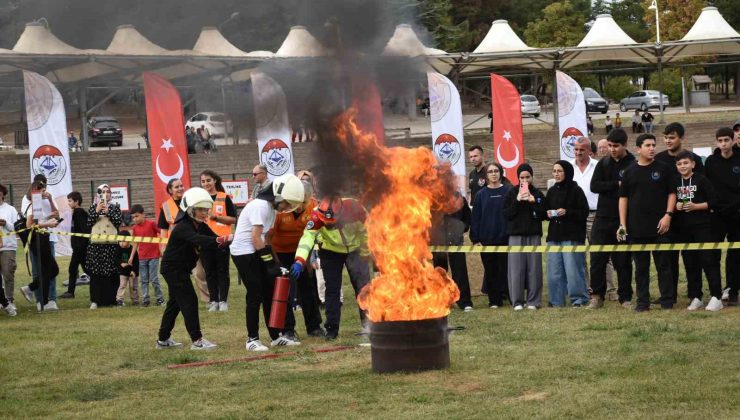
647,117
671,161
647,188
162,221
476,181
696,189
230,207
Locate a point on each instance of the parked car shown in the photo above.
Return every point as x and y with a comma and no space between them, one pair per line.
594,101
643,100
104,130
214,122
530,105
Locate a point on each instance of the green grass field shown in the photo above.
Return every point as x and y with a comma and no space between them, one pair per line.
610,363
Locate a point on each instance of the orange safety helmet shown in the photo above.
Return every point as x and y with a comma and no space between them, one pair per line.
329,209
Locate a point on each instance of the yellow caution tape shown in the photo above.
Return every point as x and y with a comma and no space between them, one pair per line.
114,238
588,248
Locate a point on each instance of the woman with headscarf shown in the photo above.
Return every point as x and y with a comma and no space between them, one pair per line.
104,218
524,208
488,227
567,209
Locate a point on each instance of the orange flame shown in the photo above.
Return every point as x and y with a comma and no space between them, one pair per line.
409,286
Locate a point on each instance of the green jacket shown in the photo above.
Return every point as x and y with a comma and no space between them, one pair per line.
348,236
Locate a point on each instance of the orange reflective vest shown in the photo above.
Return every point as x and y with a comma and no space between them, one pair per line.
219,209
170,210
288,229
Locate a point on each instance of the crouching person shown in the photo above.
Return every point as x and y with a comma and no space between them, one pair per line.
189,236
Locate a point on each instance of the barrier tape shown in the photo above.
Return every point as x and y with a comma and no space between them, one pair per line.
111,238
588,248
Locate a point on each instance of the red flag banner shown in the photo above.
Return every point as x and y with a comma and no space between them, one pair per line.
508,143
166,129
366,99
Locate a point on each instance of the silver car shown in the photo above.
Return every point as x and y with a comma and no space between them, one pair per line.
530,105
643,100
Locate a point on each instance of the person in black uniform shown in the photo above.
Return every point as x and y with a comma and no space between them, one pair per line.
189,236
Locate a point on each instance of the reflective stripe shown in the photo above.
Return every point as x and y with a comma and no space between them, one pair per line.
170,210
219,209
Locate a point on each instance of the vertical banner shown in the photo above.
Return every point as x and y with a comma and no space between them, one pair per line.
47,146
366,99
571,114
508,141
448,143
166,127
273,130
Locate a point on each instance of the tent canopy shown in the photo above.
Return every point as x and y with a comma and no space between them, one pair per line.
711,35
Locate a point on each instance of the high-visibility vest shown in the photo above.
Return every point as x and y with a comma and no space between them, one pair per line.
219,209
170,210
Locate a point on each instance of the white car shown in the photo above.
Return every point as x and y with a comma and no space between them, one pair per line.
214,122
530,105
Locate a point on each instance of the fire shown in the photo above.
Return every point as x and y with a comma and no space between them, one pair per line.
409,286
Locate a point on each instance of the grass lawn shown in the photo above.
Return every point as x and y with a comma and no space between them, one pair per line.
548,363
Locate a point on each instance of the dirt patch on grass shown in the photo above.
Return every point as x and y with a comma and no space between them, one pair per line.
532,396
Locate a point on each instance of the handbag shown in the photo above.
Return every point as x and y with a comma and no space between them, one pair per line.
20,227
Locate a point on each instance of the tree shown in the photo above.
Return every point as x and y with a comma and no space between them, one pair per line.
437,17
630,16
560,26
676,17
618,87
730,10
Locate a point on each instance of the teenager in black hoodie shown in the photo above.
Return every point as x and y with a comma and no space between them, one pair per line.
605,182
567,209
524,208
723,170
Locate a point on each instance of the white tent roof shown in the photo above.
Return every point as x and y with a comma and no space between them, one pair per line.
300,43
37,39
502,47
501,38
211,42
405,43
128,41
606,41
710,35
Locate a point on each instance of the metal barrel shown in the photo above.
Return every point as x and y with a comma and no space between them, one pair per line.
409,346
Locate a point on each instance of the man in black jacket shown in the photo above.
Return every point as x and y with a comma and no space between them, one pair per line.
79,244
606,181
723,171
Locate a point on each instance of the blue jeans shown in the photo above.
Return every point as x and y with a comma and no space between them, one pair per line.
566,272
148,272
34,273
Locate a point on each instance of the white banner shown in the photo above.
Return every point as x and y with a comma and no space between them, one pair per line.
47,145
273,130
447,126
571,114
119,195
238,189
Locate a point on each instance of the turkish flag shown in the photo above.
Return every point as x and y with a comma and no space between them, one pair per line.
166,128
508,141
366,99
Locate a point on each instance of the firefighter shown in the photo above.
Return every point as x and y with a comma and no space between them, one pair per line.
340,223
189,236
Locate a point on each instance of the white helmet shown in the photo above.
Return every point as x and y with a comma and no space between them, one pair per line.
288,188
196,197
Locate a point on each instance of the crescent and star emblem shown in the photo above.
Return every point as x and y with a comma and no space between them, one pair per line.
508,164
167,145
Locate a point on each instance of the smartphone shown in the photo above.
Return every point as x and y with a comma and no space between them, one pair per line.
552,213
523,187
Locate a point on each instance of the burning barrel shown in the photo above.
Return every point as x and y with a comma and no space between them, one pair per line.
409,346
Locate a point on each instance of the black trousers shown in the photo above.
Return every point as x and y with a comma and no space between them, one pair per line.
75,263
103,289
308,294
456,263
216,266
663,268
696,261
259,293
728,227
3,300
40,247
495,276
182,298
604,232
359,275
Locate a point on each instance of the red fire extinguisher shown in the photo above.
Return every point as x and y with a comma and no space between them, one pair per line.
279,302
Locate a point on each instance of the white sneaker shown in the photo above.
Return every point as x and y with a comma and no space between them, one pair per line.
493,306
223,306
203,344
93,306
532,307
10,309
255,345
714,304
726,294
695,304
468,309
28,294
51,306
213,307
284,340
518,307
168,344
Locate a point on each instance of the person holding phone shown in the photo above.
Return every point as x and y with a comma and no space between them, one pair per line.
102,257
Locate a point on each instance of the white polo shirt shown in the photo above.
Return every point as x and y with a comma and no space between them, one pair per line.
255,213
583,179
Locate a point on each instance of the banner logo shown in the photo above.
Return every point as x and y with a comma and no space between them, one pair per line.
507,164
49,161
568,141
440,96
276,156
447,149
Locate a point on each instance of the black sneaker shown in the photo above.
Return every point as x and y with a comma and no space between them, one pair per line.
160,302
318,332
642,308
732,301
67,295
145,304
331,335
120,303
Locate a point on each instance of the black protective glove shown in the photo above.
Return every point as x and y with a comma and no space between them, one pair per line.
273,268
